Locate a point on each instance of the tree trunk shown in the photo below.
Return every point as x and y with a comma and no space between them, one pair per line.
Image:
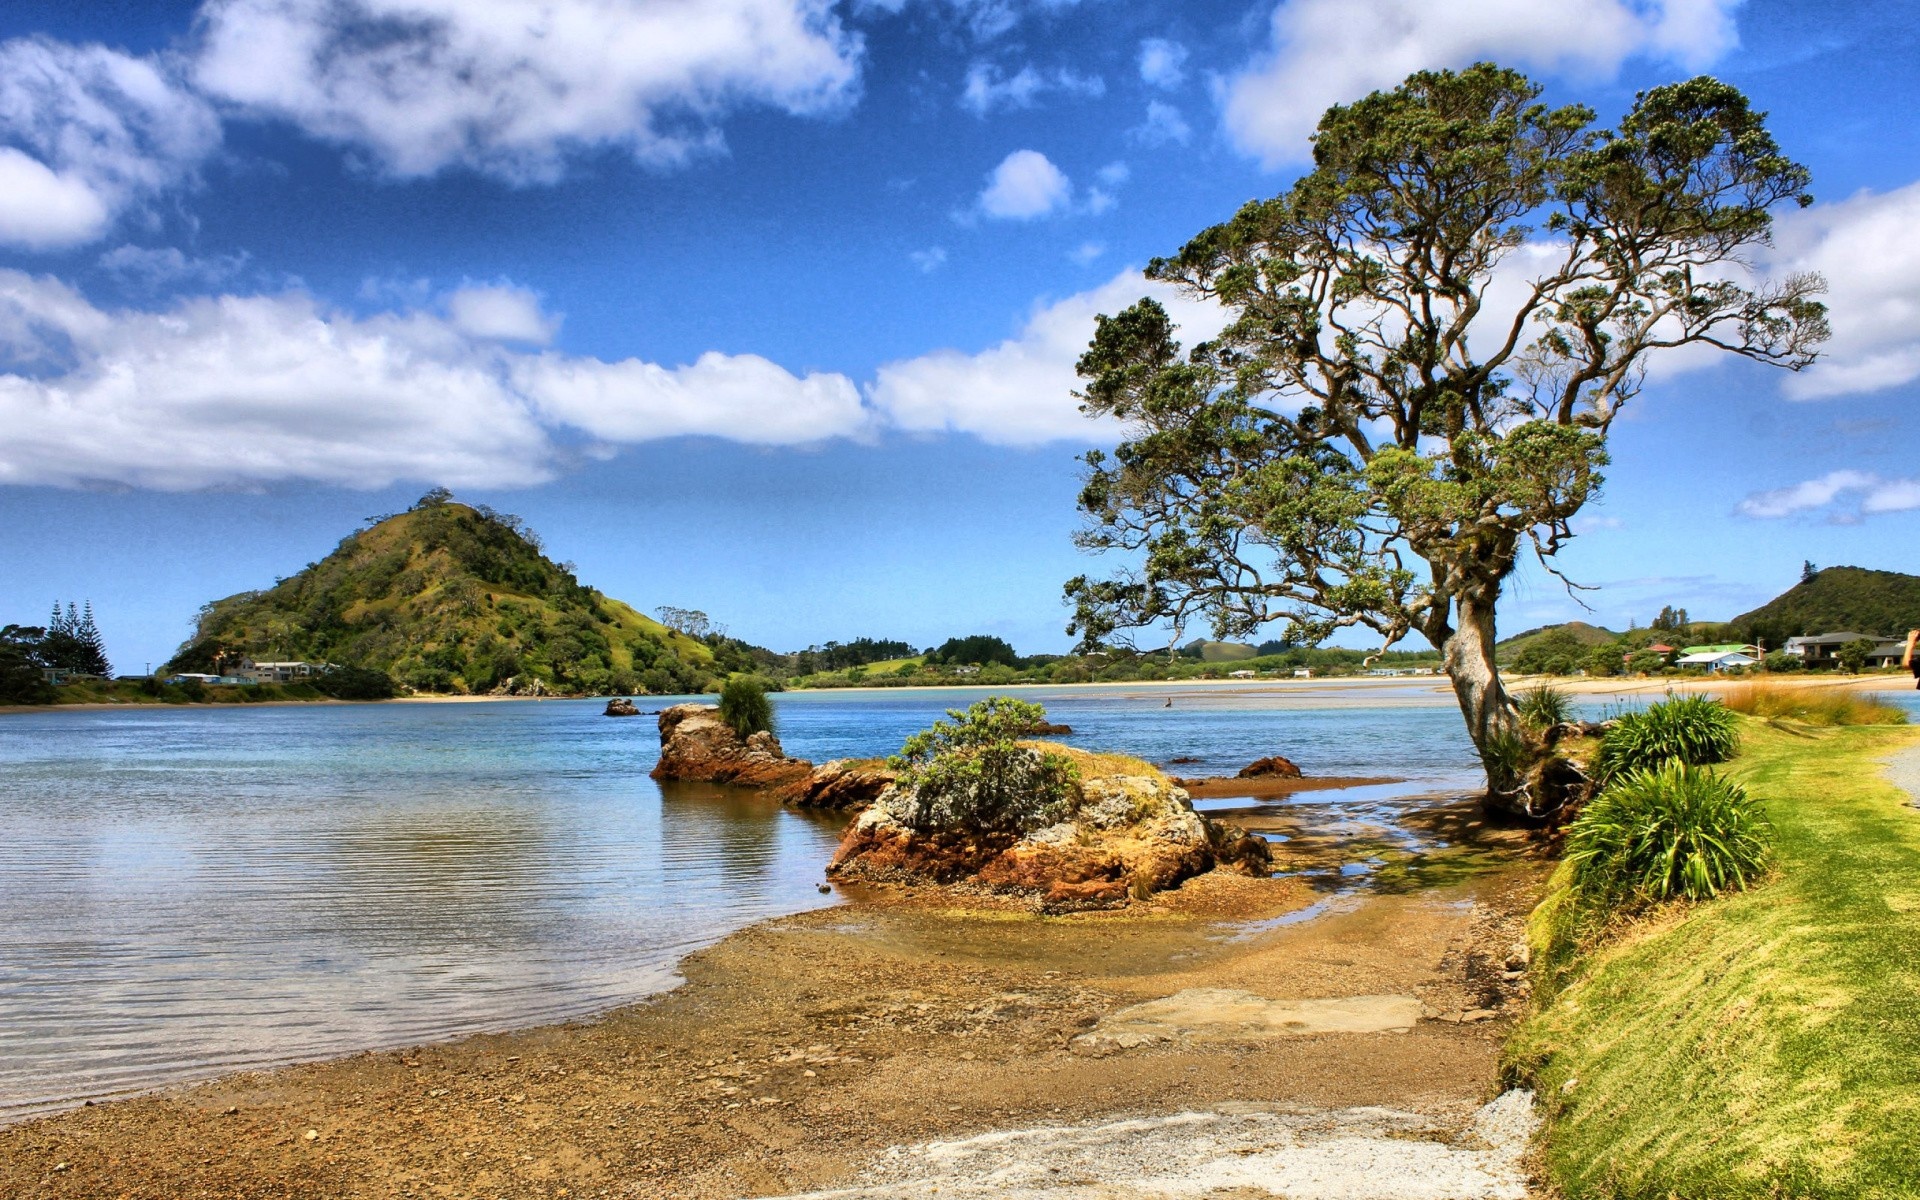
1492,721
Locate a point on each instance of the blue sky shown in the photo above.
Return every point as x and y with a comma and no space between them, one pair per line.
768,307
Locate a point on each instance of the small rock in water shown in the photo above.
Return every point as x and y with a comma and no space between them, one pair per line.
825,888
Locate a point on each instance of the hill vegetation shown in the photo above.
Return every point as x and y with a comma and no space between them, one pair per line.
446,597
1853,599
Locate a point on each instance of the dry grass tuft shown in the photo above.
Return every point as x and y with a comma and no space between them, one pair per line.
1813,705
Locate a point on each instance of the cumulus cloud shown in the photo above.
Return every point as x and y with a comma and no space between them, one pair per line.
742,397
1163,63
512,86
87,133
237,391
1024,186
1163,124
1866,249
1325,52
1845,494
1020,392
500,312
988,90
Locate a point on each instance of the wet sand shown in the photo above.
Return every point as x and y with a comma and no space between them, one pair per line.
800,1049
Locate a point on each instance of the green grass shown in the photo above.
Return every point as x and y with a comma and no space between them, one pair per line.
1764,1044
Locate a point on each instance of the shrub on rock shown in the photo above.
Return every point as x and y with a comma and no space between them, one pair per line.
971,774
744,706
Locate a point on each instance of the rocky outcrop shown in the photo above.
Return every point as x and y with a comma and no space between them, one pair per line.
843,785
1124,836
696,745
1274,767
620,706
1048,729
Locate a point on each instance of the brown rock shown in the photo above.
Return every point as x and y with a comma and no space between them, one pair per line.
1046,728
696,745
842,785
620,706
1271,767
1125,836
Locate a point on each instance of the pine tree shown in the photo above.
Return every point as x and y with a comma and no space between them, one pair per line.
92,649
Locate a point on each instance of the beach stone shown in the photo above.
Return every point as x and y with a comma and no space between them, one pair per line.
1271,767
697,746
1230,1015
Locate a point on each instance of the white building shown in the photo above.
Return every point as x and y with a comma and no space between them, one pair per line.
1712,660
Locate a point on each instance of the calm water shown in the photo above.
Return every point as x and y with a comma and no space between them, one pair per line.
187,891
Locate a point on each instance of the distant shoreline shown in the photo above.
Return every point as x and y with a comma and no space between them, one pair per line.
1651,686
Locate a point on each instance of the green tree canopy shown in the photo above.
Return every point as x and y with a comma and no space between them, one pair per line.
1429,336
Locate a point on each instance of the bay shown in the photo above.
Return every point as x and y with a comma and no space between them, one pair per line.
190,891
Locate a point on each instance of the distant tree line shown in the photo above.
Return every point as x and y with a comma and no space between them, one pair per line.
70,641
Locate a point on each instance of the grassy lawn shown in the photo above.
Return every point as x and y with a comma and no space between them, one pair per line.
1765,1044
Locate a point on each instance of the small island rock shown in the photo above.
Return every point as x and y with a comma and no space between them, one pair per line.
620,706
1274,767
696,745
1125,835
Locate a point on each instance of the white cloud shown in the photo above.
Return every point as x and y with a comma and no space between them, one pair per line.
1024,186
154,267
237,391
1163,124
742,397
500,312
988,90
1020,392
1865,246
1163,63
510,87
1326,52
929,260
87,133
1086,252
1838,491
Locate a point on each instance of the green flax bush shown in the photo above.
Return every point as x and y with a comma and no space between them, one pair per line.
1666,832
1692,730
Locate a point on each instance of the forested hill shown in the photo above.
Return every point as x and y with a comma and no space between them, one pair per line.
1837,599
450,598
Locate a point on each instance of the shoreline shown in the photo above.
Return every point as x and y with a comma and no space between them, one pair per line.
796,1049
1436,685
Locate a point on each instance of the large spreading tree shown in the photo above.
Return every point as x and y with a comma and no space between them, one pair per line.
1429,336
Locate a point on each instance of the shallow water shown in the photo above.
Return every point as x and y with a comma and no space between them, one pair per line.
188,891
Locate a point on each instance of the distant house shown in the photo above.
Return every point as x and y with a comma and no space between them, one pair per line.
1888,654
278,672
1823,650
1303,672
969,669
1240,674
1716,659
1748,649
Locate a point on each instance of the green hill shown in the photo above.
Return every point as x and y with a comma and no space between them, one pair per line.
1579,631
1851,599
449,598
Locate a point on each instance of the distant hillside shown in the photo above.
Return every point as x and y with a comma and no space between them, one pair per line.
1218,652
448,598
1579,631
1851,599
